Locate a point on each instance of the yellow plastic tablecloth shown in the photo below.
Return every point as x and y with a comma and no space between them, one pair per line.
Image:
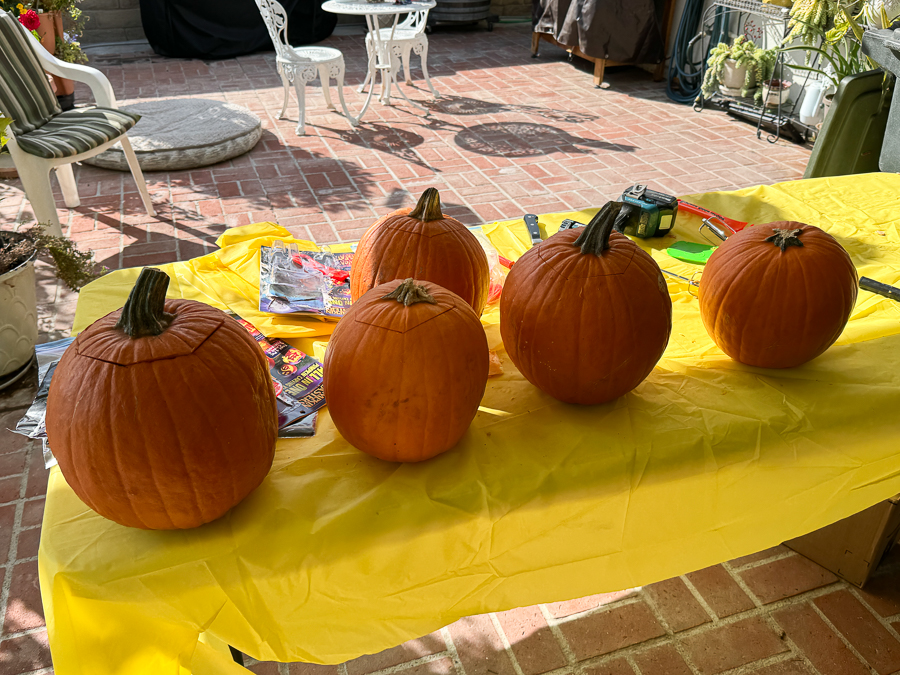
338,554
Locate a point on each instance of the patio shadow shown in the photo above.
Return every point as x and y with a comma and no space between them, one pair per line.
463,105
390,140
525,139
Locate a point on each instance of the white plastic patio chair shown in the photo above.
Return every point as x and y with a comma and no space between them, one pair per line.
299,65
41,136
406,37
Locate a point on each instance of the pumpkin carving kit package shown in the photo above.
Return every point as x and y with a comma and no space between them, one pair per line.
305,283
297,380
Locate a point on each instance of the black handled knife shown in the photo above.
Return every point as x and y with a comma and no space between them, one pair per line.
534,229
873,286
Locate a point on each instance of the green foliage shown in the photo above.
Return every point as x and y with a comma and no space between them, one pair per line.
759,63
73,267
70,52
809,20
4,122
715,64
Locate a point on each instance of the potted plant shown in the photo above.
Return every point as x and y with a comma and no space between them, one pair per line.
18,300
776,87
45,19
841,57
734,67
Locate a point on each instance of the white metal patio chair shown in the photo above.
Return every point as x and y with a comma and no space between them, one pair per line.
299,65
407,37
41,136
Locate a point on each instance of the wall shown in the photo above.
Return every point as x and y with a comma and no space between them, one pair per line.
112,21
511,7
120,20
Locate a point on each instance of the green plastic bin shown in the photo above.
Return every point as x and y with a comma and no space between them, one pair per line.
853,133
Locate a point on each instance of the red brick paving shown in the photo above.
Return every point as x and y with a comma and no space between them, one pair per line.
510,135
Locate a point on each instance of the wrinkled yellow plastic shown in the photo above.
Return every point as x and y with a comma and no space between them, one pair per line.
338,554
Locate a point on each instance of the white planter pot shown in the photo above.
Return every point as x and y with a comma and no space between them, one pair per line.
776,95
733,77
18,317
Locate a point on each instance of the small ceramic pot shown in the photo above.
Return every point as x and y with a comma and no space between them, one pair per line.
733,77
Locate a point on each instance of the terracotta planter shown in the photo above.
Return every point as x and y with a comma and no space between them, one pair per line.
52,27
18,317
47,31
63,86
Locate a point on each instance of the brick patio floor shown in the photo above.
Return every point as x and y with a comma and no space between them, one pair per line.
510,135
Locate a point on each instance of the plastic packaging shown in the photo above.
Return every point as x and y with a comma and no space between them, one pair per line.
495,265
314,283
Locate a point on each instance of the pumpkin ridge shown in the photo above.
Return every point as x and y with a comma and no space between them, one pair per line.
777,271
535,329
173,429
121,462
570,264
80,394
265,405
221,443
733,281
370,322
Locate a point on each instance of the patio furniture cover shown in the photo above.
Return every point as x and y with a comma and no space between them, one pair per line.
339,554
627,31
221,29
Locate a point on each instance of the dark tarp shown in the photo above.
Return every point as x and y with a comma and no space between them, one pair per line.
628,31
220,29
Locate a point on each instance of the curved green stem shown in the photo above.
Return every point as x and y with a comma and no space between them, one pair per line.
428,207
144,314
595,236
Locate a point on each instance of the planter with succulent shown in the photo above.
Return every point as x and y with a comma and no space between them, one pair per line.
18,298
57,25
735,69
776,84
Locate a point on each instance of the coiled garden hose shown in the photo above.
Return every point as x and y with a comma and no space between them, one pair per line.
682,69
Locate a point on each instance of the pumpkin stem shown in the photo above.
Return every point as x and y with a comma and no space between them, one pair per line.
143,313
785,238
409,293
428,207
595,237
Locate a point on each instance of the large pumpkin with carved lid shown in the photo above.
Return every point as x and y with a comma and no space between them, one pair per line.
162,414
777,295
422,243
586,315
405,371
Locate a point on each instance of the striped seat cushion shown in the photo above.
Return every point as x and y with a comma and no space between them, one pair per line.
76,131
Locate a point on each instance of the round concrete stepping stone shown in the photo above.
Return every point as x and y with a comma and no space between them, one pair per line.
184,133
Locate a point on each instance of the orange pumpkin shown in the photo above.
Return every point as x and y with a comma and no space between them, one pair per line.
777,295
162,414
586,315
405,371
424,244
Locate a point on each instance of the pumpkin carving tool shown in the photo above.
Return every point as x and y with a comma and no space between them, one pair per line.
879,288
534,228
691,282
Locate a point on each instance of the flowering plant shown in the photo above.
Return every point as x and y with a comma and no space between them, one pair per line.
30,19
68,47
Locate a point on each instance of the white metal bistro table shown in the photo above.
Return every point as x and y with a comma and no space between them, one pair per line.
381,58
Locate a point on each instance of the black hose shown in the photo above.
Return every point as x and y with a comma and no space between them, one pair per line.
682,68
